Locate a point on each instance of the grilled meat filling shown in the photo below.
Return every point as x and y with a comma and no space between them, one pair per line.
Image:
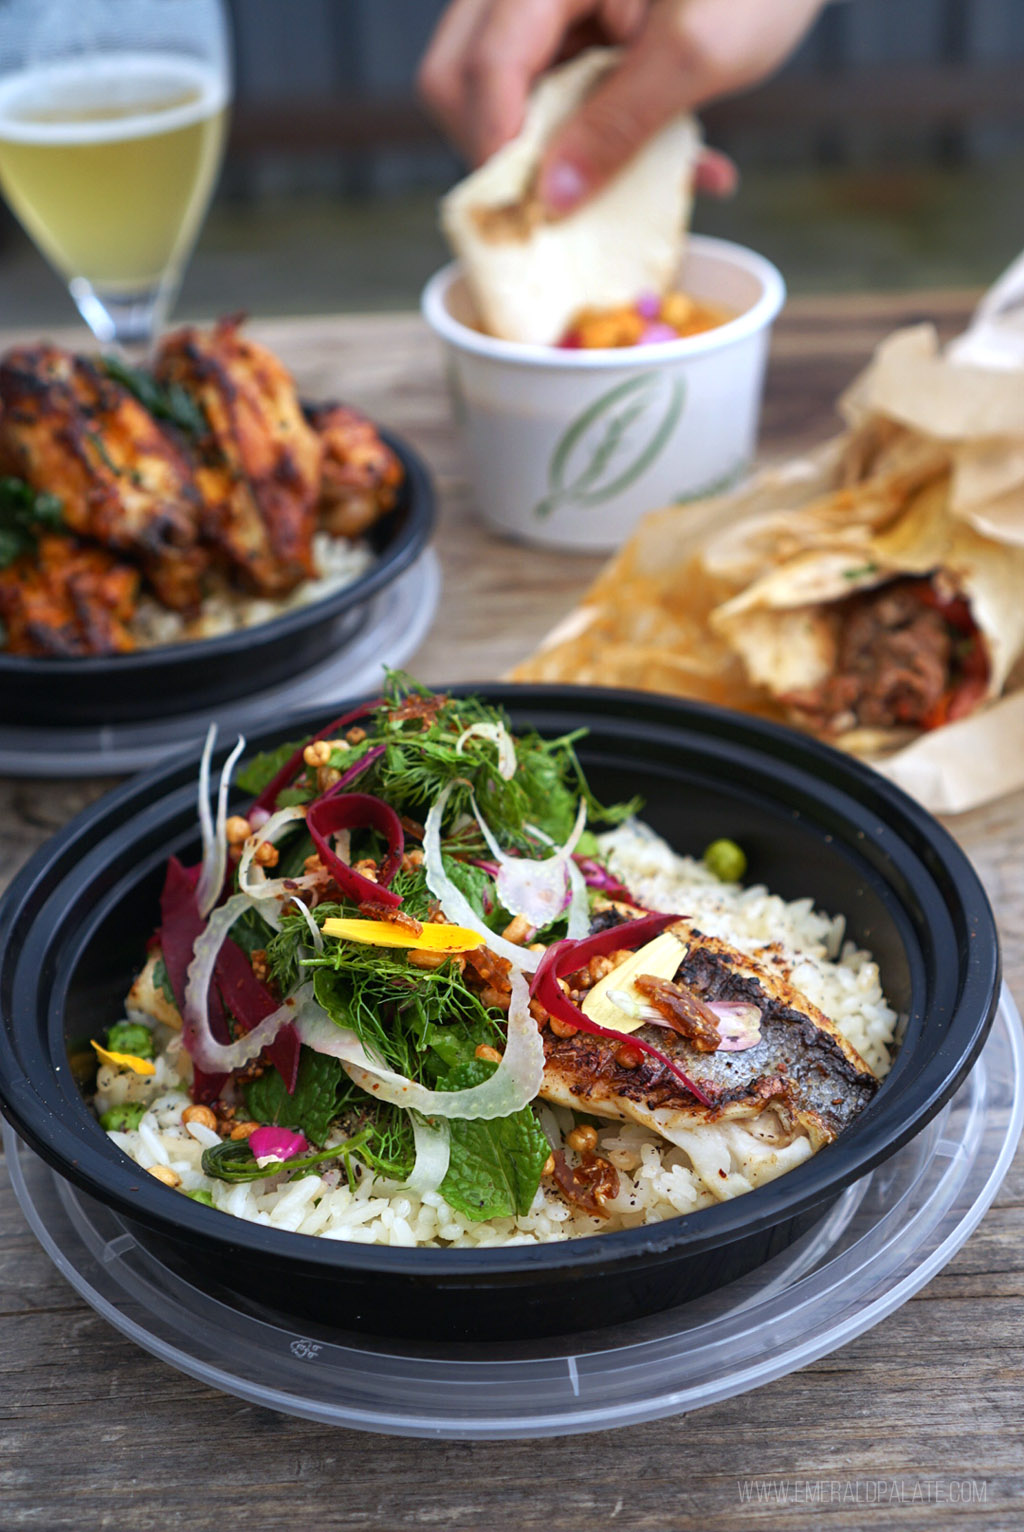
907,655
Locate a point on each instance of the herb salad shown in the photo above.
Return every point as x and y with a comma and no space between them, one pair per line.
320,977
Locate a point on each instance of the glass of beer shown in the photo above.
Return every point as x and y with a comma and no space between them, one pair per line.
112,125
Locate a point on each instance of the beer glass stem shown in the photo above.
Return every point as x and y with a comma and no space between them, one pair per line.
129,320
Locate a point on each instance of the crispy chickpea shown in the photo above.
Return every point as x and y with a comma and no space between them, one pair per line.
237,830
366,868
485,1051
517,930
244,1130
495,999
538,1013
356,735
266,855
326,777
582,1138
562,1028
419,958
317,754
165,1174
548,1168
200,1115
628,1056
411,860
677,310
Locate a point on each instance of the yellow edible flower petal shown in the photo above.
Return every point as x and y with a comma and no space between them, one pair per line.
383,933
130,1061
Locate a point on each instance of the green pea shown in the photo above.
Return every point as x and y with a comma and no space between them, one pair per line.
131,1037
206,1198
726,860
123,1119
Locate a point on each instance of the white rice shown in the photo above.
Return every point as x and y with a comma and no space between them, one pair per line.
337,560
656,1179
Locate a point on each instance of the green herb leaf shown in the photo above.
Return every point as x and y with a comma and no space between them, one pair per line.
495,1167
162,982
232,1160
24,514
312,1106
167,402
263,768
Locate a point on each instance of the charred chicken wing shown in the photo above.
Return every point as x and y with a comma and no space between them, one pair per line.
361,474
259,471
68,428
65,599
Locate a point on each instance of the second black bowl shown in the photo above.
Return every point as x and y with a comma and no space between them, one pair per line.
191,677
75,922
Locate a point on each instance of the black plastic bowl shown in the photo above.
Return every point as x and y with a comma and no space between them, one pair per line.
74,925
92,690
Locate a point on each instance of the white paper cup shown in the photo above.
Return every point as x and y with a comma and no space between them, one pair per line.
570,448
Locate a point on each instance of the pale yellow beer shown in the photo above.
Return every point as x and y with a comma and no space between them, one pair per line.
109,162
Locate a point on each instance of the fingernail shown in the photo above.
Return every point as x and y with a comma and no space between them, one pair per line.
562,186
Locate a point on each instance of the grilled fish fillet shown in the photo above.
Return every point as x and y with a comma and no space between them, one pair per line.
68,428
772,1105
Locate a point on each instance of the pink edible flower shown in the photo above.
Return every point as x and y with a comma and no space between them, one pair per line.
655,334
269,1144
648,305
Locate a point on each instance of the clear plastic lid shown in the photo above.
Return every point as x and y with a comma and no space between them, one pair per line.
883,1240
396,623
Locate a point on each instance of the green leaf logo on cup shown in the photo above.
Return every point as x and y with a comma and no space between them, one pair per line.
613,442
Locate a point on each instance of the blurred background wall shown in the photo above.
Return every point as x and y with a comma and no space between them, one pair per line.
889,153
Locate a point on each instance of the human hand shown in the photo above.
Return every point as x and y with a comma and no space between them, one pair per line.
679,54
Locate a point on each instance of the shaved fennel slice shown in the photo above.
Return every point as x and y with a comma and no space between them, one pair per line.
454,904
252,880
314,930
538,888
433,1152
579,903
205,1050
512,1086
215,845
501,737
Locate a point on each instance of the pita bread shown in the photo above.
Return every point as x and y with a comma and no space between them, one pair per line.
529,274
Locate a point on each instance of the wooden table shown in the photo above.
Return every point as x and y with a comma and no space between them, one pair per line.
97,1434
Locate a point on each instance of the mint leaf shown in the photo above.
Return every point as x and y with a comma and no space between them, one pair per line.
478,887
162,982
495,1167
312,1106
263,768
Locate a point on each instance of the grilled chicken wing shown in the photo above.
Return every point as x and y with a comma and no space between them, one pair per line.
772,1104
68,428
361,474
65,599
259,474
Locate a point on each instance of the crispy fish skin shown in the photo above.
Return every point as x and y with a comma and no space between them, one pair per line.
802,1067
124,482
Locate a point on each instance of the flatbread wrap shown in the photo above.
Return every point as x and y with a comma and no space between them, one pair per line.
874,631
530,273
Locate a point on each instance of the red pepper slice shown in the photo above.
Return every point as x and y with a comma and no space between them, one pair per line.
566,957
352,811
267,799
